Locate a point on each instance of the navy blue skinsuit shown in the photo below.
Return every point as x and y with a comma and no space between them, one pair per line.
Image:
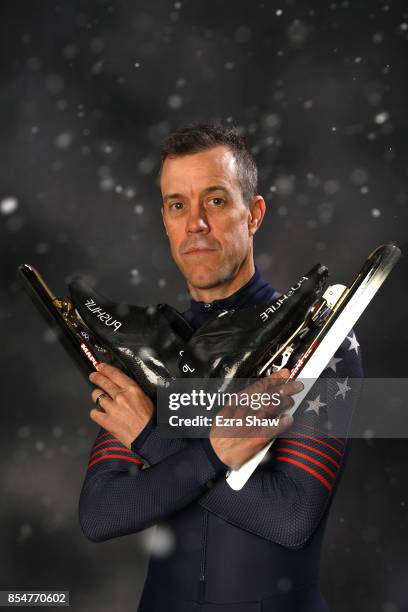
253,550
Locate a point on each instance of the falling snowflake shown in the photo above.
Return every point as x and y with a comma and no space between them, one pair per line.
63,140
175,101
381,118
159,541
8,205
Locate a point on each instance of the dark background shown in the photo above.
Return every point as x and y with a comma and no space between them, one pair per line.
88,92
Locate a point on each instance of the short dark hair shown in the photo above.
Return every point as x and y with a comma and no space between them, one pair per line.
202,136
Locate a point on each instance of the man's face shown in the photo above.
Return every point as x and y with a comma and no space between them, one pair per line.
206,219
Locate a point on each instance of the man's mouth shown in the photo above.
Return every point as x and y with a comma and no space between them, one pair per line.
197,250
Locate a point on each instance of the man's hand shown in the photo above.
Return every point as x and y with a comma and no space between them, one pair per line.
244,442
125,409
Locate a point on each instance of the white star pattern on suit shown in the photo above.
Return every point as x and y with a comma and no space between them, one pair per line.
343,388
353,343
333,363
315,405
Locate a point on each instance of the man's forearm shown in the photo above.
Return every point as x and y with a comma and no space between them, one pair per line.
119,498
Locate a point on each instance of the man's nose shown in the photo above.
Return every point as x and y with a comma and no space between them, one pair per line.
197,220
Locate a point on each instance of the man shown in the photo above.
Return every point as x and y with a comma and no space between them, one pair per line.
256,549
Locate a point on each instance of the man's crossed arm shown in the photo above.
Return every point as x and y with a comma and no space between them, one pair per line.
283,501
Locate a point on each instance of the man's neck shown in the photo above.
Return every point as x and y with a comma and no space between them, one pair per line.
225,289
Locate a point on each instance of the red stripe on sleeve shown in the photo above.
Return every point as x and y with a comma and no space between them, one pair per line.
113,440
298,433
323,480
314,450
339,440
308,458
119,448
103,435
132,459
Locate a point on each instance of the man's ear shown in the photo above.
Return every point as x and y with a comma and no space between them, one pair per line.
164,223
257,210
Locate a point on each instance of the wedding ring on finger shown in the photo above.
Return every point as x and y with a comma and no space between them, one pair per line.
98,399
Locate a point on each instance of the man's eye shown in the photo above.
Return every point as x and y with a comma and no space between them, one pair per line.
176,206
217,201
